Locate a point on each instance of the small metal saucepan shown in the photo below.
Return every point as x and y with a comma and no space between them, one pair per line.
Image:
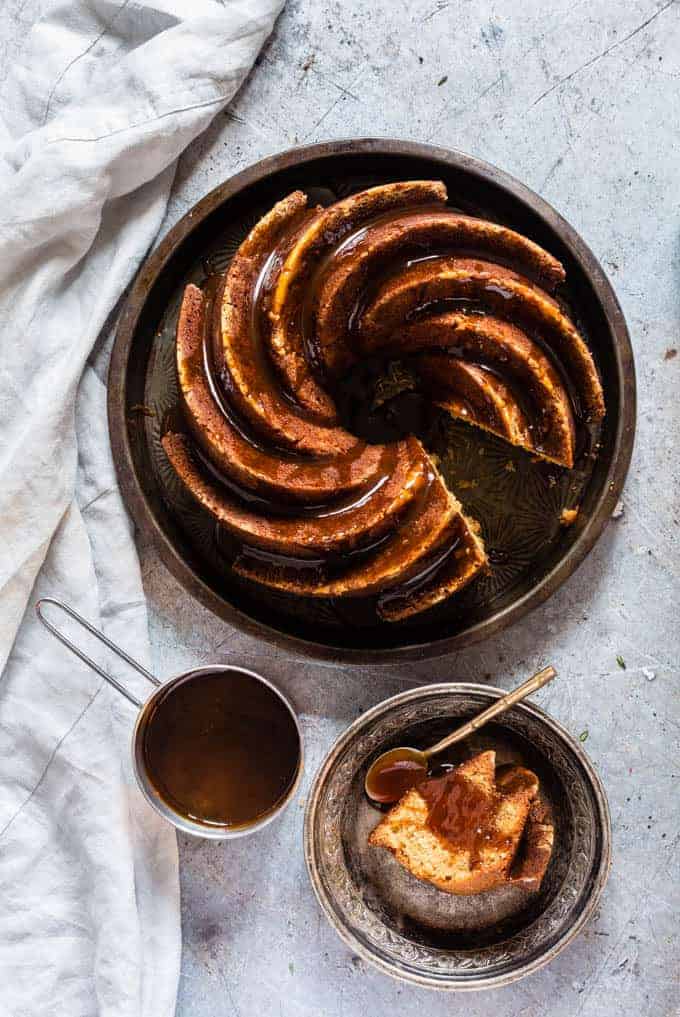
145,718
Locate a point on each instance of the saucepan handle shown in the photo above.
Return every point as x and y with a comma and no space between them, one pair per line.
39,607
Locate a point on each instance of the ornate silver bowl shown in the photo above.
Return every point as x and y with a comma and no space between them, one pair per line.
410,929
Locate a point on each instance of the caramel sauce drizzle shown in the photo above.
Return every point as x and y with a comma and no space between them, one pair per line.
463,813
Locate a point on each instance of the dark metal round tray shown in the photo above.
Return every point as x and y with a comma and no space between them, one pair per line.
517,501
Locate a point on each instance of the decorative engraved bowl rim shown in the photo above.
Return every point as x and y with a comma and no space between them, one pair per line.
361,728
125,351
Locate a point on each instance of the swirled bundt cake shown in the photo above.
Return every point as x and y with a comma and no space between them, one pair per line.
304,505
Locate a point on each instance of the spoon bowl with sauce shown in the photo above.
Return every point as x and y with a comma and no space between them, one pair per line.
216,751
398,770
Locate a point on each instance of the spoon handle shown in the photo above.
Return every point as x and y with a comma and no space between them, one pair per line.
538,680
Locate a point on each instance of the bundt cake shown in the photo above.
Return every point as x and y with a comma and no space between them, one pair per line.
262,353
471,830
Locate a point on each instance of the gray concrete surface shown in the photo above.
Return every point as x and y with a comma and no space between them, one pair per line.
581,100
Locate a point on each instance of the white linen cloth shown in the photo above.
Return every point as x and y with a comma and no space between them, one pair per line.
92,121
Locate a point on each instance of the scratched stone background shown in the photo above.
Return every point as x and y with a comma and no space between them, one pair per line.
580,99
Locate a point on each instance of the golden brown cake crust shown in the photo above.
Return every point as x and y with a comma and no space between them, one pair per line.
266,473
430,525
503,291
305,535
285,306
514,817
309,508
391,242
548,428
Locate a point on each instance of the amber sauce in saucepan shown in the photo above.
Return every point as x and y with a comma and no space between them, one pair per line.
221,748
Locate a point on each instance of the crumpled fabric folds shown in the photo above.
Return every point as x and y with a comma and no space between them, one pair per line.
94,117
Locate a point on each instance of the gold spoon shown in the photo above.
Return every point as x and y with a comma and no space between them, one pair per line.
397,770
